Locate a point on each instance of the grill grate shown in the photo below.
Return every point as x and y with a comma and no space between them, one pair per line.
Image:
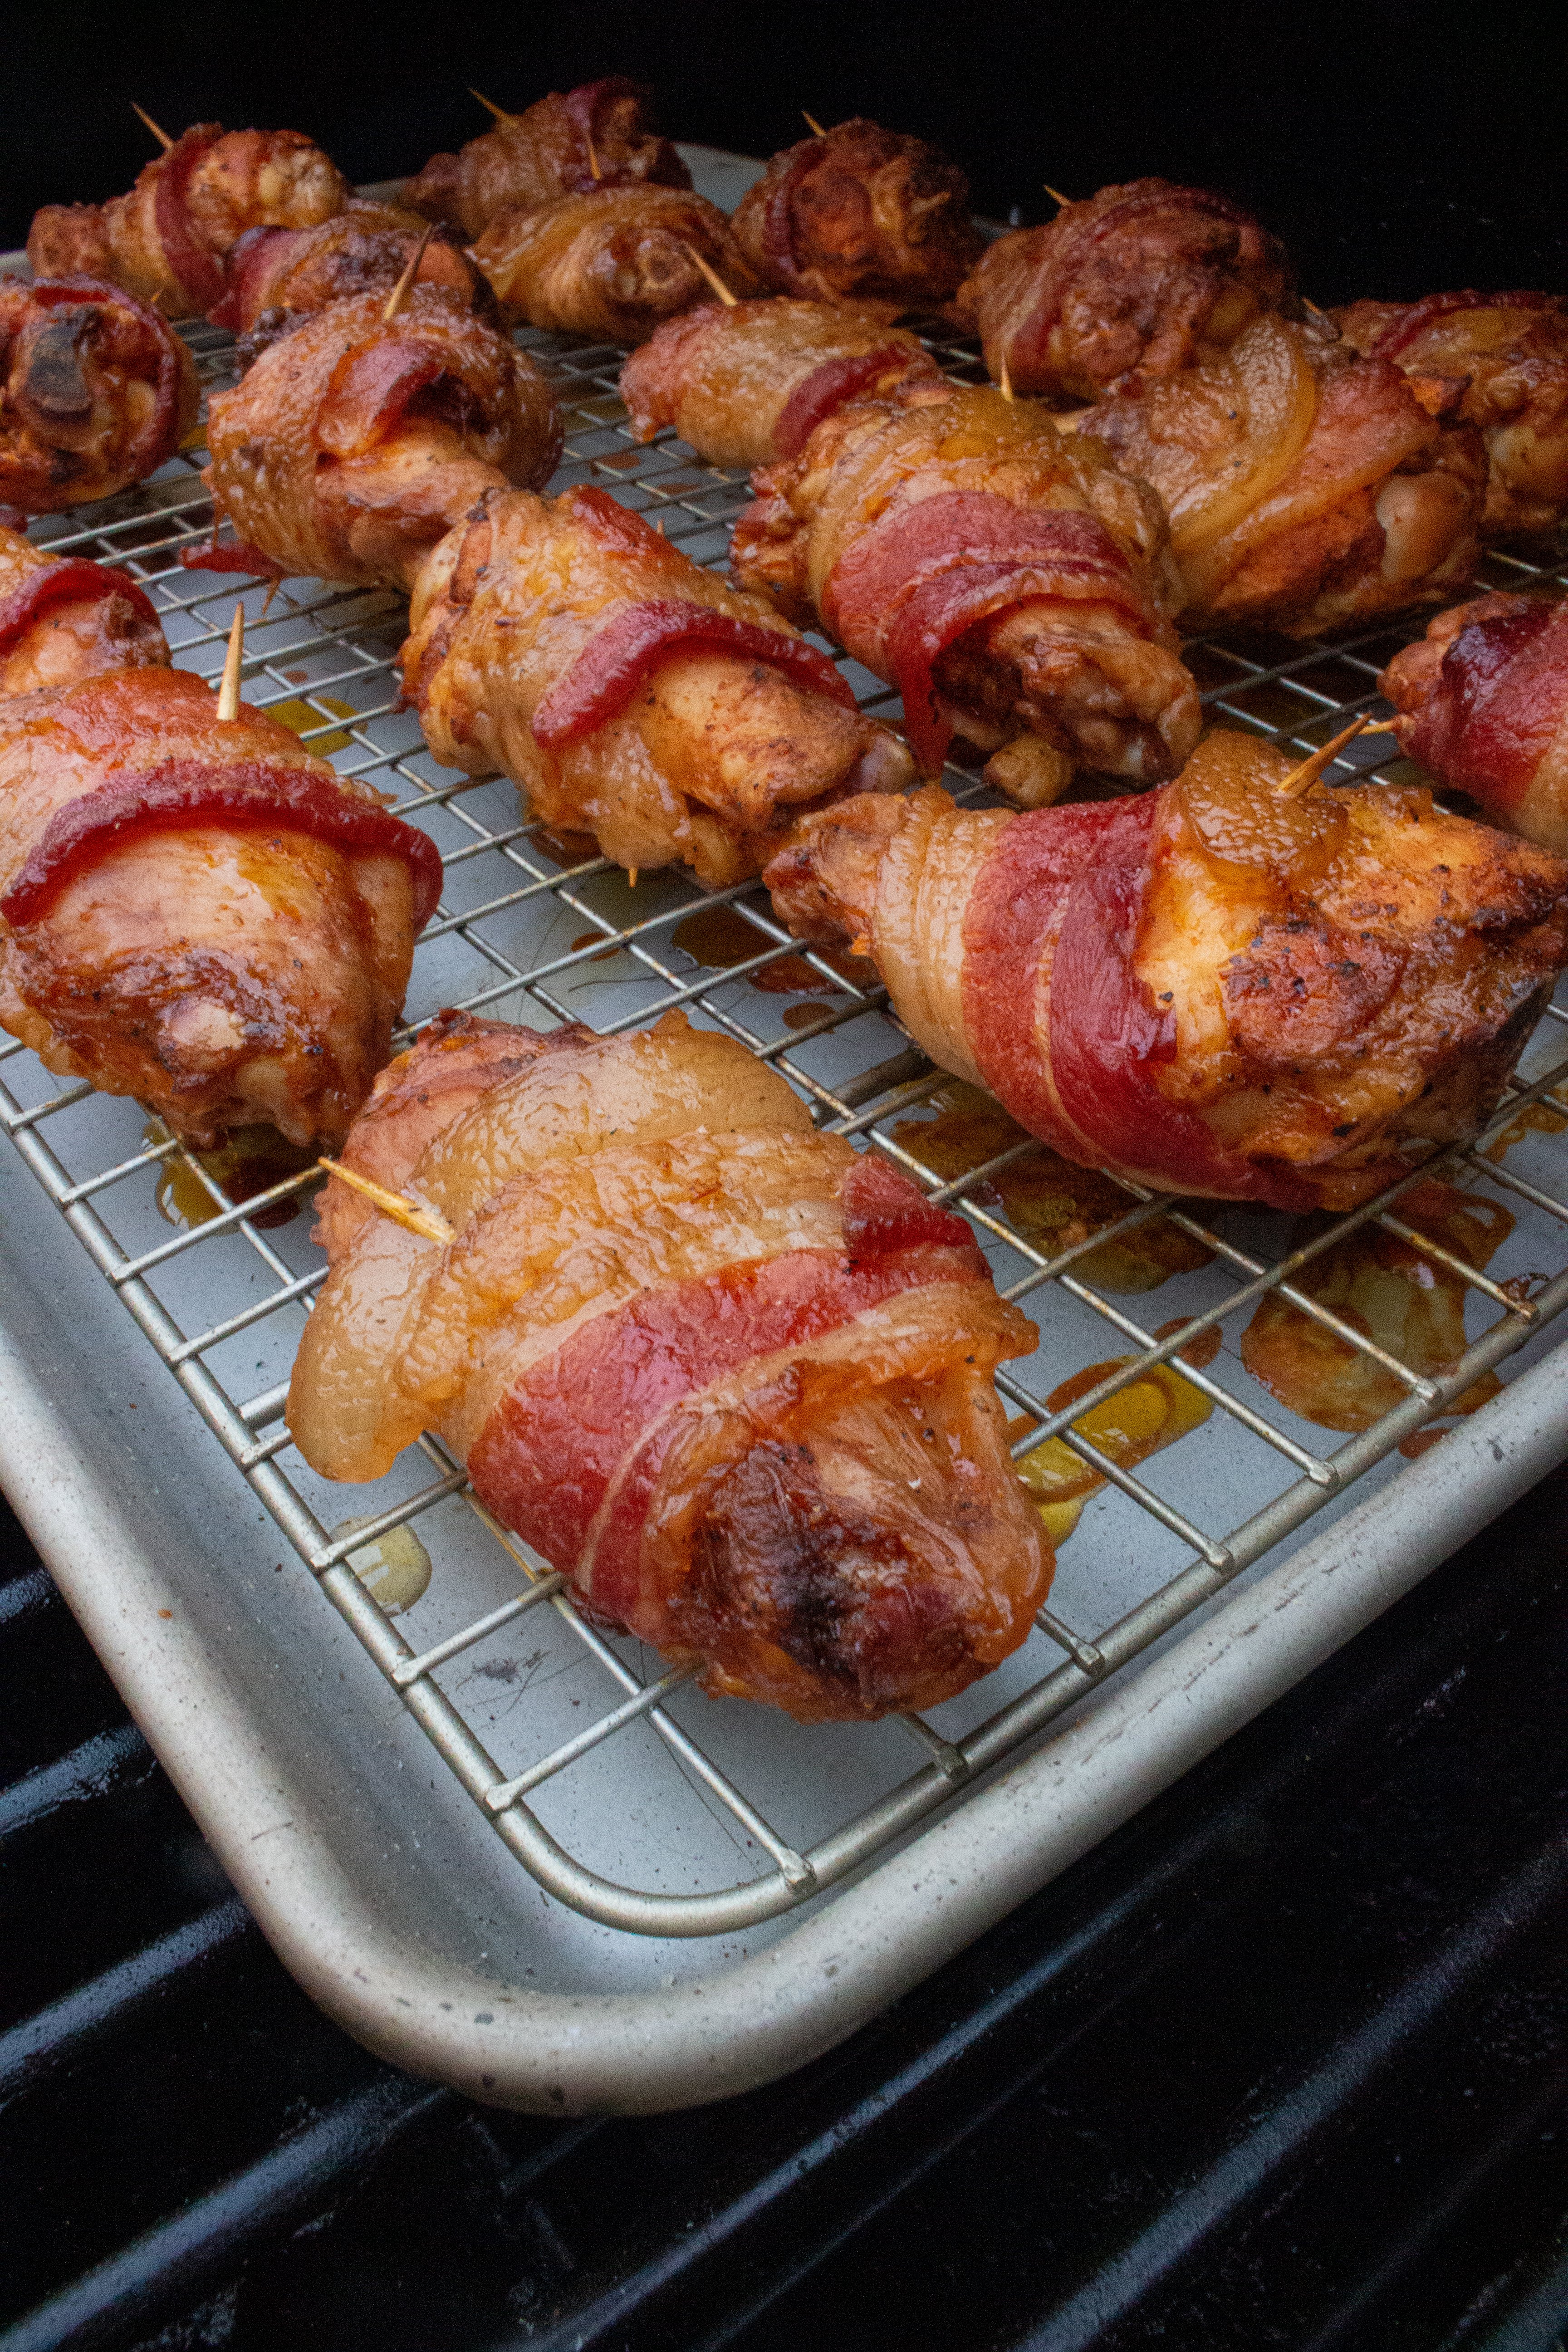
224,1299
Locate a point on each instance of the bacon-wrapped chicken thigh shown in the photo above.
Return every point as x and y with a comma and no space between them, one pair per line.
197,912
96,392
1144,278
863,216
1510,353
749,383
629,693
1210,989
278,277
1482,702
63,620
352,445
167,242
730,1377
598,135
1002,575
1307,488
613,264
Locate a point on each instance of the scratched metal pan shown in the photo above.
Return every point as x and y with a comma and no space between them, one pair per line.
502,1850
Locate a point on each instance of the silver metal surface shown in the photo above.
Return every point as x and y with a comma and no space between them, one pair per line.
627,1795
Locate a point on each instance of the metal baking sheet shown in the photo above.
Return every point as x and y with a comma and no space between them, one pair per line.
500,1848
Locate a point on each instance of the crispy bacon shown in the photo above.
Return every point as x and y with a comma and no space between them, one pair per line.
278,277
1307,488
1483,704
613,264
168,240
861,215
198,913
749,383
350,447
62,620
96,392
732,1382
1208,989
1144,278
632,694
599,135
1504,358
995,571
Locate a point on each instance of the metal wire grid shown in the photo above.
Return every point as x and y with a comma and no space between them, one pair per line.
345,642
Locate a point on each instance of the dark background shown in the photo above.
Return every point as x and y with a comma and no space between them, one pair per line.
1398,148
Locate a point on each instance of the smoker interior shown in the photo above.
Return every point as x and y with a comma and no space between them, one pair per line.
1282,2062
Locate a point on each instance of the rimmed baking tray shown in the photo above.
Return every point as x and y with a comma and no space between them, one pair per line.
508,1853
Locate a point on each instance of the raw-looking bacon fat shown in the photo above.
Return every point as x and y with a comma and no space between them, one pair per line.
1211,989
1483,704
732,1381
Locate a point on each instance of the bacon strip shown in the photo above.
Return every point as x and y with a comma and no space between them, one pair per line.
558,1442
232,555
620,653
65,584
1404,330
196,269
829,387
252,796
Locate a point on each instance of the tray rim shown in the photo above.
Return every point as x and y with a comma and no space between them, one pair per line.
714,2035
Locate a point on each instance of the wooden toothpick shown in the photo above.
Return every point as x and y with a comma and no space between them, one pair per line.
593,152
1301,779
817,128
396,1205
713,276
164,142
228,692
400,292
1004,383
1056,196
499,111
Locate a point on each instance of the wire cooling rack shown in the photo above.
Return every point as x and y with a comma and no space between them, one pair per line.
532,927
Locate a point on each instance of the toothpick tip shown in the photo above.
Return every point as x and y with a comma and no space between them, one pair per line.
228,692
429,1222
817,131
711,275
1005,380
160,136
1056,196
1301,779
404,286
489,103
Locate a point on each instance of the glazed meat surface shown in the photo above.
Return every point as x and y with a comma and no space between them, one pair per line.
1307,489
701,747
599,135
1145,278
612,264
199,913
730,1379
1483,704
352,445
747,383
1506,355
1004,576
62,620
862,215
96,392
280,277
167,242
1210,989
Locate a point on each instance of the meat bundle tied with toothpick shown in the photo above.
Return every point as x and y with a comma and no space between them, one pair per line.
1004,576
97,392
193,910
599,135
280,277
612,263
1232,986
169,240
634,694
732,1379
1482,702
